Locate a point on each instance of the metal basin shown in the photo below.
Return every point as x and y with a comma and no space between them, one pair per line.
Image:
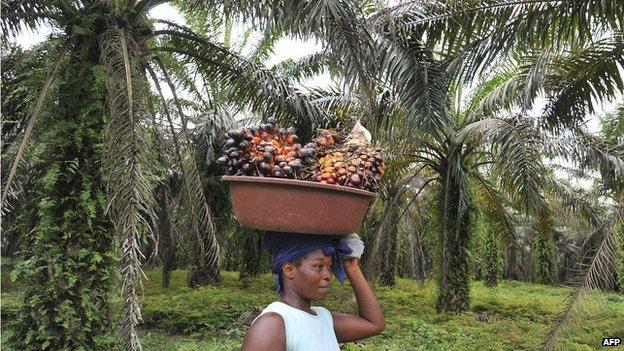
297,206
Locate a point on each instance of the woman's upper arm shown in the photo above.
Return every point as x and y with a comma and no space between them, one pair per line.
266,333
349,327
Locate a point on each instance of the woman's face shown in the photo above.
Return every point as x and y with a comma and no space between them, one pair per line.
312,278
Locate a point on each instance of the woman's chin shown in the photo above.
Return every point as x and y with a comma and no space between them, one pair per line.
322,294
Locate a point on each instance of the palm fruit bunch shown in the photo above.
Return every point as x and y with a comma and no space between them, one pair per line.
353,163
265,151
269,151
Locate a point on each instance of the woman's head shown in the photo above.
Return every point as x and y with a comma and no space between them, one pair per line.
308,276
299,250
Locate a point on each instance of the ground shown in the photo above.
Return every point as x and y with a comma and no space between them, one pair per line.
513,316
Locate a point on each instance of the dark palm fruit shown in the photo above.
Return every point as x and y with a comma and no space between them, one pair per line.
268,157
280,158
235,134
243,144
230,171
283,164
306,152
278,174
247,169
295,164
287,169
230,143
265,167
271,120
222,160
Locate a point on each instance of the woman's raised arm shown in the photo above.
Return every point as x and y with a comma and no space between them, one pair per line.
370,319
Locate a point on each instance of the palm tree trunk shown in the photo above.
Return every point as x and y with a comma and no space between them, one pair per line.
544,249
252,252
511,262
166,244
389,248
492,259
543,258
454,290
72,243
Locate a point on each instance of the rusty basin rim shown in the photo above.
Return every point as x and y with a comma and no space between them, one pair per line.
297,183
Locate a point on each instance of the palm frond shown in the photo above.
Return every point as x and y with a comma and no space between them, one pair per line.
306,67
598,269
199,214
493,202
519,165
253,85
498,92
339,23
515,84
419,83
7,188
612,125
590,152
574,200
584,75
475,35
337,101
130,190
18,15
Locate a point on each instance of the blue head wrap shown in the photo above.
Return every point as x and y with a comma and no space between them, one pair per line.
288,247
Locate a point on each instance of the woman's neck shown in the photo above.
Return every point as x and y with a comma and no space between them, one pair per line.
294,300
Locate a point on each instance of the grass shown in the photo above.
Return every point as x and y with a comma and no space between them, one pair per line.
513,316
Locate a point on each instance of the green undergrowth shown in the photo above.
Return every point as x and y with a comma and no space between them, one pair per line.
513,316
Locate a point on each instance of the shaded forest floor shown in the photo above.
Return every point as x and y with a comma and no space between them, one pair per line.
513,316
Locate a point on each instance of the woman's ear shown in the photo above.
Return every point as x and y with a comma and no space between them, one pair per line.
288,270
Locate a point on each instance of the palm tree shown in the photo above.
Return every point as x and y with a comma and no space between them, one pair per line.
108,51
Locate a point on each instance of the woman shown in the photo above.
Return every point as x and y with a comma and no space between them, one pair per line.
303,267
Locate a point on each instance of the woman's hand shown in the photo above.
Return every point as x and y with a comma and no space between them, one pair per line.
351,264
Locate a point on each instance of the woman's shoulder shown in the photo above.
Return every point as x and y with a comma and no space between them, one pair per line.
269,318
265,332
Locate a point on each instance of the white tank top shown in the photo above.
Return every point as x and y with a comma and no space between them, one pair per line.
304,331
